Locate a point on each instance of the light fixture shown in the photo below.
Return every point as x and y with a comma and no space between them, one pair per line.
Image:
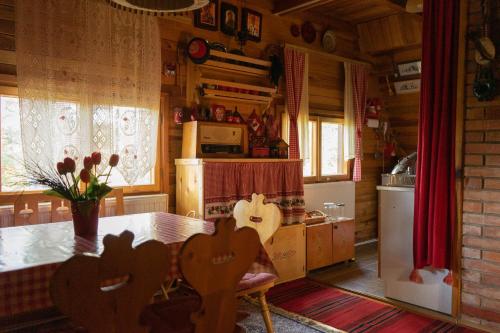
162,6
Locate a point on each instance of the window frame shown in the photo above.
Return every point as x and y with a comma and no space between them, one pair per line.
160,170
316,155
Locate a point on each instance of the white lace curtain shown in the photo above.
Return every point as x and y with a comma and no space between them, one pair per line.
89,80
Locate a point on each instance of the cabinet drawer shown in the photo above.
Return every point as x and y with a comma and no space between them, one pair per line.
343,241
319,245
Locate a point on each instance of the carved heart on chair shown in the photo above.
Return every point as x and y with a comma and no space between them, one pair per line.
265,218
108,293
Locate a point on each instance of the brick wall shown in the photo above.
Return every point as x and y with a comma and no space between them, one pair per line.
481,217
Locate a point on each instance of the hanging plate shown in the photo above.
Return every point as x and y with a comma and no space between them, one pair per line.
329,41
198,50
308,32
486,51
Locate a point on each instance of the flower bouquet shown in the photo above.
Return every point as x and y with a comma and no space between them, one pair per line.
84,190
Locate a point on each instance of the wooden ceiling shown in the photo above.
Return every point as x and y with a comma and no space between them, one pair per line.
352,11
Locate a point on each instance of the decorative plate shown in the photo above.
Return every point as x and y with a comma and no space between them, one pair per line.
295,30
198,50
308,32
329,41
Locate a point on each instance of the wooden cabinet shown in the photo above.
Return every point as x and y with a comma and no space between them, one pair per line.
287,250
329,243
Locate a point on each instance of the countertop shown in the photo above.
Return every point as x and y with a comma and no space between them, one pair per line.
396,188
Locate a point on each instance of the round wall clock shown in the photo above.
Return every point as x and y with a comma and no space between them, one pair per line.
329,41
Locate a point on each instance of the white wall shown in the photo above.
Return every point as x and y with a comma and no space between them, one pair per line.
316,194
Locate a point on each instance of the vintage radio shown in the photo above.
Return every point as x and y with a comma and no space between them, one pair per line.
210,140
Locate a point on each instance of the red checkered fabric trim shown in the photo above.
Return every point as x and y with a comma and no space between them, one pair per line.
227,183
294,74
359,74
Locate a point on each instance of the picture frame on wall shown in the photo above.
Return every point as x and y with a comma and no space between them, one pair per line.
228,19
410,68
407,87
251,22
207,17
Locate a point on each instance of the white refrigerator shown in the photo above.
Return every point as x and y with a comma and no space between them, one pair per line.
396,254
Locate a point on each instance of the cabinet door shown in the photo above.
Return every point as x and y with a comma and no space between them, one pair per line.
319,245
343,241
189,190
287,250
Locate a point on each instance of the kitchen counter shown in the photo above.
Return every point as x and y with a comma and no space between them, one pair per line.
396,188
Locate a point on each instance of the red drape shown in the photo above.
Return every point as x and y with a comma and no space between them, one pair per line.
435,212
294,73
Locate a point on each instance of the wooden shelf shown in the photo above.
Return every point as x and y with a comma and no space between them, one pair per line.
248,60
238,100
237,85
233,68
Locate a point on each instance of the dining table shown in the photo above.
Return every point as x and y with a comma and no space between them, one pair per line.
30,254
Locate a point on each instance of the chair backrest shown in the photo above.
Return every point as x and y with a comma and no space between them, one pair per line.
265,218
213,265
27,208
108,293
116,193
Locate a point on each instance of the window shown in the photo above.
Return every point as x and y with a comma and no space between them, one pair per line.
325,156
12,155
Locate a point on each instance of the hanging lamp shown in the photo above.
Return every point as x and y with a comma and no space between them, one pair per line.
162,6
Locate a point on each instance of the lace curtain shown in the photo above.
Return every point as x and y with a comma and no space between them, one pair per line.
89,80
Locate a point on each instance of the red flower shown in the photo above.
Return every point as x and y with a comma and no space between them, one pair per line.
96,158
85,175
113,160
69,164
61,168
88,163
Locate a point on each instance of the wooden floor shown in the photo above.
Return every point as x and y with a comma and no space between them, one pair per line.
359,276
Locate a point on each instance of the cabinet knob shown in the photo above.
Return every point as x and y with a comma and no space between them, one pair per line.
335,227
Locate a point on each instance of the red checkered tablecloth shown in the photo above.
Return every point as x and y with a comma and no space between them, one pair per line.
29,255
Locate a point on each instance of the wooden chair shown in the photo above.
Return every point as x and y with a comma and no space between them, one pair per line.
213,265
27,207
265,219
81,288
116,193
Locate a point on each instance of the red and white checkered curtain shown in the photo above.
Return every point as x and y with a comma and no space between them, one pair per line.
359,77
294,73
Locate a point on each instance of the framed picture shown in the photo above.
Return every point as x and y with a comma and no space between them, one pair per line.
410,68
228,19
407,87
206,17
251,22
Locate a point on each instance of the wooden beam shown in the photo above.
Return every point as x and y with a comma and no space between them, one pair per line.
283,7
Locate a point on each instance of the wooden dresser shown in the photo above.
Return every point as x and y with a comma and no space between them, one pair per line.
329,243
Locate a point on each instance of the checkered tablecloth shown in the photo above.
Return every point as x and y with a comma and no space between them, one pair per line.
29,255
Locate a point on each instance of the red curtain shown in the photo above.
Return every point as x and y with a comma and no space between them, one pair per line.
435,213
294,73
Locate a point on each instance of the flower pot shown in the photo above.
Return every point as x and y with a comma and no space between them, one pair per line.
85,217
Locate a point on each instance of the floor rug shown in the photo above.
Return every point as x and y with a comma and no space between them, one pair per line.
352,313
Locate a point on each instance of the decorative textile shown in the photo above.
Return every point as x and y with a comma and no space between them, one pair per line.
359,86
352,313
302,119
435,207
349,115
280,182
294,73
89,78
24,282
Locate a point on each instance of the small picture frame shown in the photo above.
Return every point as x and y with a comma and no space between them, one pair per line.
410,68
207,17
251,22
228,18
407,87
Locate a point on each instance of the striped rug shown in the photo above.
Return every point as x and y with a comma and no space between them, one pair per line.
352,313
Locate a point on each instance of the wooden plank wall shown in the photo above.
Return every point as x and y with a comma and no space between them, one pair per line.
326,76
401,110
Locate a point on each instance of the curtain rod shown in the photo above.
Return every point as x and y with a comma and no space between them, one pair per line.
333,56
